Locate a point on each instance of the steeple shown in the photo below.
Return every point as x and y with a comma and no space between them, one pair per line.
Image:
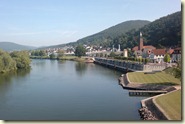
140,47
140,34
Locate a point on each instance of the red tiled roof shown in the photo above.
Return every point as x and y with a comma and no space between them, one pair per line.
178,48
149,47
177,51
170,51
135,48
159,51
144,47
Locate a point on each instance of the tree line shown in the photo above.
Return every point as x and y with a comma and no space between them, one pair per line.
13,61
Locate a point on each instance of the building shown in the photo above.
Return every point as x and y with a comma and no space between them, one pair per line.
141,50
157,55
125,53
176,55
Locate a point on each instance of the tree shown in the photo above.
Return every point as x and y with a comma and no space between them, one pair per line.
167,58
60,53
101,54
52,56
22,59
97,54
112,54
146,60
6,62
42,53
80,51
38,53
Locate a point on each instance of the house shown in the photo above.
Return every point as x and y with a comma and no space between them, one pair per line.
176,55
157,55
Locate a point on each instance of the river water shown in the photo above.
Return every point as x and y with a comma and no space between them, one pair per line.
65,90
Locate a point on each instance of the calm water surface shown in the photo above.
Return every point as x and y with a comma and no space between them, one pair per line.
65,90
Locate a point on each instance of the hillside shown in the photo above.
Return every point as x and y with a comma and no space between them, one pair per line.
9,46
106,34
163,32
113,32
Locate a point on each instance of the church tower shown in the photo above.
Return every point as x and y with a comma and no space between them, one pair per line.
140,47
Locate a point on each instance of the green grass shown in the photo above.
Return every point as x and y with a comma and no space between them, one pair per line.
67,58
73,58
171,104
157,78
176,72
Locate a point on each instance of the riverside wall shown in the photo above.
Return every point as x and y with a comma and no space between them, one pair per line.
129,65
149,109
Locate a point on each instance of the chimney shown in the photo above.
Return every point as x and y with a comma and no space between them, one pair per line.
140,47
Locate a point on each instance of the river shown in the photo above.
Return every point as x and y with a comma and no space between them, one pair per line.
66,90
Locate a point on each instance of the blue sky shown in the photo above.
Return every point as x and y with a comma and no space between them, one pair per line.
51,22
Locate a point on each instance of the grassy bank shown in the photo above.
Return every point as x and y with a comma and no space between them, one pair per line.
156,78
72,58
67,58
171,104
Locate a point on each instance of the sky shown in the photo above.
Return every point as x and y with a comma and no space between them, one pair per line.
52,22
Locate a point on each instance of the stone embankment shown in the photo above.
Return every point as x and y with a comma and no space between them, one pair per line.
149,110
129,65
146,114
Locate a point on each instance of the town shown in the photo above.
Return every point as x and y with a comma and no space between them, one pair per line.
149,52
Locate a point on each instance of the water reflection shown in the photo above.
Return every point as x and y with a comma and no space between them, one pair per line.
23,72
61,61
38,62
81,68
49,92
6,78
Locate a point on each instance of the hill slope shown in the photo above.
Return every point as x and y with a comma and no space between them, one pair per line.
113,32
106,34
9,46
163,32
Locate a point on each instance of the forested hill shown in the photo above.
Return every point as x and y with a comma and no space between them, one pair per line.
9,46
104,37
163,32
113,32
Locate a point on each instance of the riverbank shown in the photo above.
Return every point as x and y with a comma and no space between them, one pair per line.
150,109
69,58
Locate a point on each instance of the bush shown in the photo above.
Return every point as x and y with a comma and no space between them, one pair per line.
13,61
21,58
112,54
